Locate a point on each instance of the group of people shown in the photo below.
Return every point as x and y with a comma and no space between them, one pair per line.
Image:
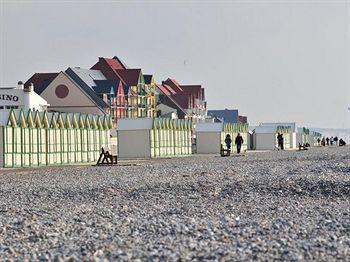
326,141
238,142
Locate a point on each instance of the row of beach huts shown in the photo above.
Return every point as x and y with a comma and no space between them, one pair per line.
67,117
34,138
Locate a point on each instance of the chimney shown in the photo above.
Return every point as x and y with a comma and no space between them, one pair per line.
20,85
29,88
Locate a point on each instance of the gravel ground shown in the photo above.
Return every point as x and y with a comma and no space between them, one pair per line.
264,205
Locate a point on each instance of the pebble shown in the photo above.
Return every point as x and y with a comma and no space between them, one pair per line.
266,206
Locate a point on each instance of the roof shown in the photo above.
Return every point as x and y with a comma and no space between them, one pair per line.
173,84
104,86
129,76
88,75
148,79
292,125
163,89
228,115
209,127
40,81
182,99
265,129
84,78
115,63
135,124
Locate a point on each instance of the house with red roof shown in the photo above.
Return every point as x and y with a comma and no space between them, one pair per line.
190,98
136,100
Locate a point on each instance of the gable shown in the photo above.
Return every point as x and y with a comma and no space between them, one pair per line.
63,94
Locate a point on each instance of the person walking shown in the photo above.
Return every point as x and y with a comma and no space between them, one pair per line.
228,142
331,141
318,141
336,140
323,142
280,141
239,141
327,141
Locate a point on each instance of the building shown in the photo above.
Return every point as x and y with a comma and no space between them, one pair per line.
210,136
72,91
152,138
228,116
190,98
292,134
21,97
265,137
150,88
40,81
39,138
140,97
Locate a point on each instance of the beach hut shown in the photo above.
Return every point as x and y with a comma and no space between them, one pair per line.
152,138
209,136
265,137
41,138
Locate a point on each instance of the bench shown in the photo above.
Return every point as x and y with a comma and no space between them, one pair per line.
107,158
303,146
224,152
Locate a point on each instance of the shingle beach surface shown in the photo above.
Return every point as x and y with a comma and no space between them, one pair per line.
263,205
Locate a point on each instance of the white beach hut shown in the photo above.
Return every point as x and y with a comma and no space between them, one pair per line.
265,137
210,136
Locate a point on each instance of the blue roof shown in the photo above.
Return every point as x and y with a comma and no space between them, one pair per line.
85,79
105,86
228,115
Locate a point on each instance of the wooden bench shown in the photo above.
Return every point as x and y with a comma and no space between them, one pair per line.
107,158
224,152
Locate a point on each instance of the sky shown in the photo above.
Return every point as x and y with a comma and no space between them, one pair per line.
272,60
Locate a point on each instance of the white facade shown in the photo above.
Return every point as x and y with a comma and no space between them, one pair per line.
134,138
21,98
210,136
293,131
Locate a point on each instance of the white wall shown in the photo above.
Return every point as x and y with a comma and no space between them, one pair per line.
208,142
134,144
293,140
264,141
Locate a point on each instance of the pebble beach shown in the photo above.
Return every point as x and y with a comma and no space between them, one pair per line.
290,205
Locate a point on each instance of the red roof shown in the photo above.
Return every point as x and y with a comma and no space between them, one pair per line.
183,100
195,90
163,89
129,76
41,81
173,84
114,63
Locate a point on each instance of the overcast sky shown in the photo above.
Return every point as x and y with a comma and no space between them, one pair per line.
273,60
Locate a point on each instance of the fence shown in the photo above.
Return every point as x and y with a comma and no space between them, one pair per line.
48,139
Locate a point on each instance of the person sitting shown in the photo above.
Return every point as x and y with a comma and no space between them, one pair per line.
342,142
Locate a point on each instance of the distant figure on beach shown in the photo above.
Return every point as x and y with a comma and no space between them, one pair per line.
239,141
331,141
336,140
228,141
323,142
342,142
318,141
327,141
280,140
